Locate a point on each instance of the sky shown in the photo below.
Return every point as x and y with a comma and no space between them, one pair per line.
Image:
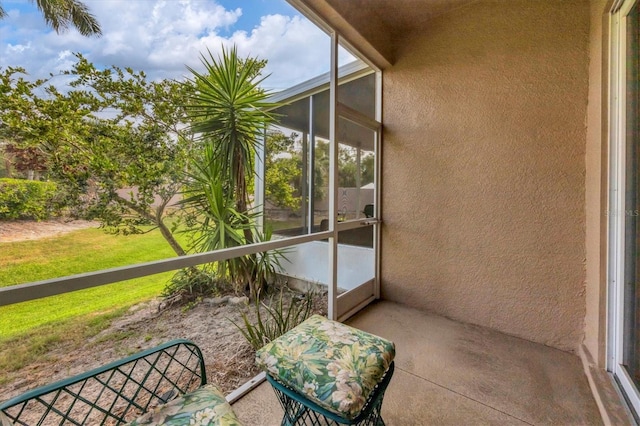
162,36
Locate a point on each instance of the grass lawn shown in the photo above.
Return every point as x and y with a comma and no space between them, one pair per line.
73,253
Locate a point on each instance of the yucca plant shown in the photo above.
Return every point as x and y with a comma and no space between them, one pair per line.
277,319
266,265
229,111
229,115
215,222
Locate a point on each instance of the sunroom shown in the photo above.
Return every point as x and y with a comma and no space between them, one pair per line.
503,214
304,112
507,187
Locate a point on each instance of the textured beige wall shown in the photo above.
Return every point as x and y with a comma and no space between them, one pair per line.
484,168
596,184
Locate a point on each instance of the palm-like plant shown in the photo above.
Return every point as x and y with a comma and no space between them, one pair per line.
216,221
60,14
230,111
229,116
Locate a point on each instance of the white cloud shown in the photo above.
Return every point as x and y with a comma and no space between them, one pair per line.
295,47
162,36
18,48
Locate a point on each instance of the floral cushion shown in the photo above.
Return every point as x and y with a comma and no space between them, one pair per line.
204,406
331,364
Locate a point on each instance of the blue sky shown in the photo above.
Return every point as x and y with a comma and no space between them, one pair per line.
161,36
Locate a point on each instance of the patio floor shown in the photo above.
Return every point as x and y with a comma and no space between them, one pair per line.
459,374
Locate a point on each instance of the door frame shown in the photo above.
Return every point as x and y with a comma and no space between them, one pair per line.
617,208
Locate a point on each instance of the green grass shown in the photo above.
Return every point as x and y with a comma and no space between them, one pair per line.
73,253
33,346
76,252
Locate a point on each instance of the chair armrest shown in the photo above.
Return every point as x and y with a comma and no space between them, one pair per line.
117,392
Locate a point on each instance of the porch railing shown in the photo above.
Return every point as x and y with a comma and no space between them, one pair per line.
51,287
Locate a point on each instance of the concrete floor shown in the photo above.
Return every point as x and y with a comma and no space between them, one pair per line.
449,373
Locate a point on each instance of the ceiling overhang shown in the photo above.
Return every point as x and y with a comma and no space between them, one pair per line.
376,27
371,39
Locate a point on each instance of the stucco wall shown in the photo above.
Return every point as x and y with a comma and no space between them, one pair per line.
484,168
596,183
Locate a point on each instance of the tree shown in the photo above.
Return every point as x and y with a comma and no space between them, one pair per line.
348,167
28,120
60,14
150,149
368,167
283,170
143,146
321,170
229,114
229,111
214,218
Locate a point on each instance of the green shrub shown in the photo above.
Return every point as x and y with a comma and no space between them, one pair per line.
279,317
26,199
193,283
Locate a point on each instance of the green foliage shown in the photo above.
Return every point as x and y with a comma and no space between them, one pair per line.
266,265
33,112
26,199
145,147
347,175
283,171
229,111
142,147
215,223
321,170
60,14
5,170
192,283
368,167
278,318
348,167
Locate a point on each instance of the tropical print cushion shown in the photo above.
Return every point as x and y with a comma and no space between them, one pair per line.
331,364
204,406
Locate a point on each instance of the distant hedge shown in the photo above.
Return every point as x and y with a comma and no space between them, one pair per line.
26,199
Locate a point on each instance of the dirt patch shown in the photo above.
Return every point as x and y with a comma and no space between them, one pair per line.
20,230
228,357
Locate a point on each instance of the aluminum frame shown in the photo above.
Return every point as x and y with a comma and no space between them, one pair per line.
616,207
